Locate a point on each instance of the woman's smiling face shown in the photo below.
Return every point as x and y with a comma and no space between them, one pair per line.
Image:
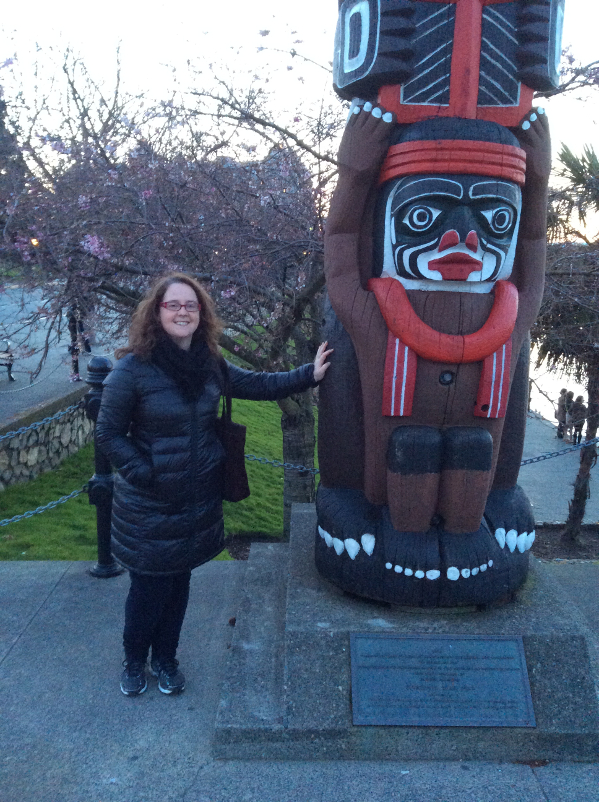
181,325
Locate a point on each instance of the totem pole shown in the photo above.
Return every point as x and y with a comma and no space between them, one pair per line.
434,259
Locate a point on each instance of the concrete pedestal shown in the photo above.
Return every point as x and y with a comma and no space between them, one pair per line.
287,688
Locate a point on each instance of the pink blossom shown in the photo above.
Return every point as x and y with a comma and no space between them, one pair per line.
147,193
94,245
23,245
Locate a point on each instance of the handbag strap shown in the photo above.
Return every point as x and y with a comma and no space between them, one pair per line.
227,390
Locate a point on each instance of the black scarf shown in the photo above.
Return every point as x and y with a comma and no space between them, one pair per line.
190,370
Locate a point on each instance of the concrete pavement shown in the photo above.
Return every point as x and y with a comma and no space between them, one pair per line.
69,735
549,484
16,398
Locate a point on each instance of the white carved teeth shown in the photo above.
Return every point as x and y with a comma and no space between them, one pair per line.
338,545
513,540
368,543
325,535
510,539
453,573
419,574
352,547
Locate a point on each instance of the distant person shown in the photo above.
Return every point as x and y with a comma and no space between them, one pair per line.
578,412
569,421
77,334
157,425
560,413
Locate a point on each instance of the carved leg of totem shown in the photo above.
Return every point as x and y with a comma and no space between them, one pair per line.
413,465
465,478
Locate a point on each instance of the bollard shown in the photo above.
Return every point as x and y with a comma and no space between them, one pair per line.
100,485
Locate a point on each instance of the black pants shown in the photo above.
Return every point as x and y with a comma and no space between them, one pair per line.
154,613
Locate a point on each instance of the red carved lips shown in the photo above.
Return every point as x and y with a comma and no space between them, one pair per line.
455,266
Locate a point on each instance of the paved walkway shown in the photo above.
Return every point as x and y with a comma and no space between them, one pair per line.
69,735
53,381
549,484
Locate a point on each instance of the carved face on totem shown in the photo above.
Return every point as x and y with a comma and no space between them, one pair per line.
455,233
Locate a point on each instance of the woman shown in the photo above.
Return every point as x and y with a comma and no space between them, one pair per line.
157,425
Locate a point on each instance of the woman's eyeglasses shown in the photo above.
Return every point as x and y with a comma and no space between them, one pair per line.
174,306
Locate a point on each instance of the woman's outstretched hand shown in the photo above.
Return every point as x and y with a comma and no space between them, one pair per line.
320,364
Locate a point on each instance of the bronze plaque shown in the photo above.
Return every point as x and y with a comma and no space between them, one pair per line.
440,681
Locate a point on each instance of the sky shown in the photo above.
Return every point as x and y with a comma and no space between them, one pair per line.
154,35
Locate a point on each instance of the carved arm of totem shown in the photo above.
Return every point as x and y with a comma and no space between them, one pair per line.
529,266
363,148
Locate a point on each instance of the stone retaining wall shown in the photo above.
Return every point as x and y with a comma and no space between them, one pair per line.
26,455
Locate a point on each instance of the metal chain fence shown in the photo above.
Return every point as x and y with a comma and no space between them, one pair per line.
551,454
49,506
40,423
278,464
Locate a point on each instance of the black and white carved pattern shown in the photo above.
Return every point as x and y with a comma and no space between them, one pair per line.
433,43
540,25
373,46
498,82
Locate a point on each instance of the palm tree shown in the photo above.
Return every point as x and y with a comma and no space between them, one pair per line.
567,329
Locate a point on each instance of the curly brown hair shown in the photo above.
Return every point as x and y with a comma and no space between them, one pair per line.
146,328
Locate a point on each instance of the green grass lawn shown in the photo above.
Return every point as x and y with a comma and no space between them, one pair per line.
68,532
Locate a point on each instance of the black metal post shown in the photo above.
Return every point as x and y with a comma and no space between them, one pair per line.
100,485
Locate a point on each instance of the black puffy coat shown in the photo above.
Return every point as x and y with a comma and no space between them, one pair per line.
167,507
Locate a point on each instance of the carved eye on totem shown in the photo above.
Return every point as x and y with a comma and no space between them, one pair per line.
420,217
500,220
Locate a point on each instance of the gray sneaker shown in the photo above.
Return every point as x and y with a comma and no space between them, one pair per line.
133,678
170,679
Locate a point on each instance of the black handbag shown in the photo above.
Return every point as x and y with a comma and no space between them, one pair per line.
235,485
